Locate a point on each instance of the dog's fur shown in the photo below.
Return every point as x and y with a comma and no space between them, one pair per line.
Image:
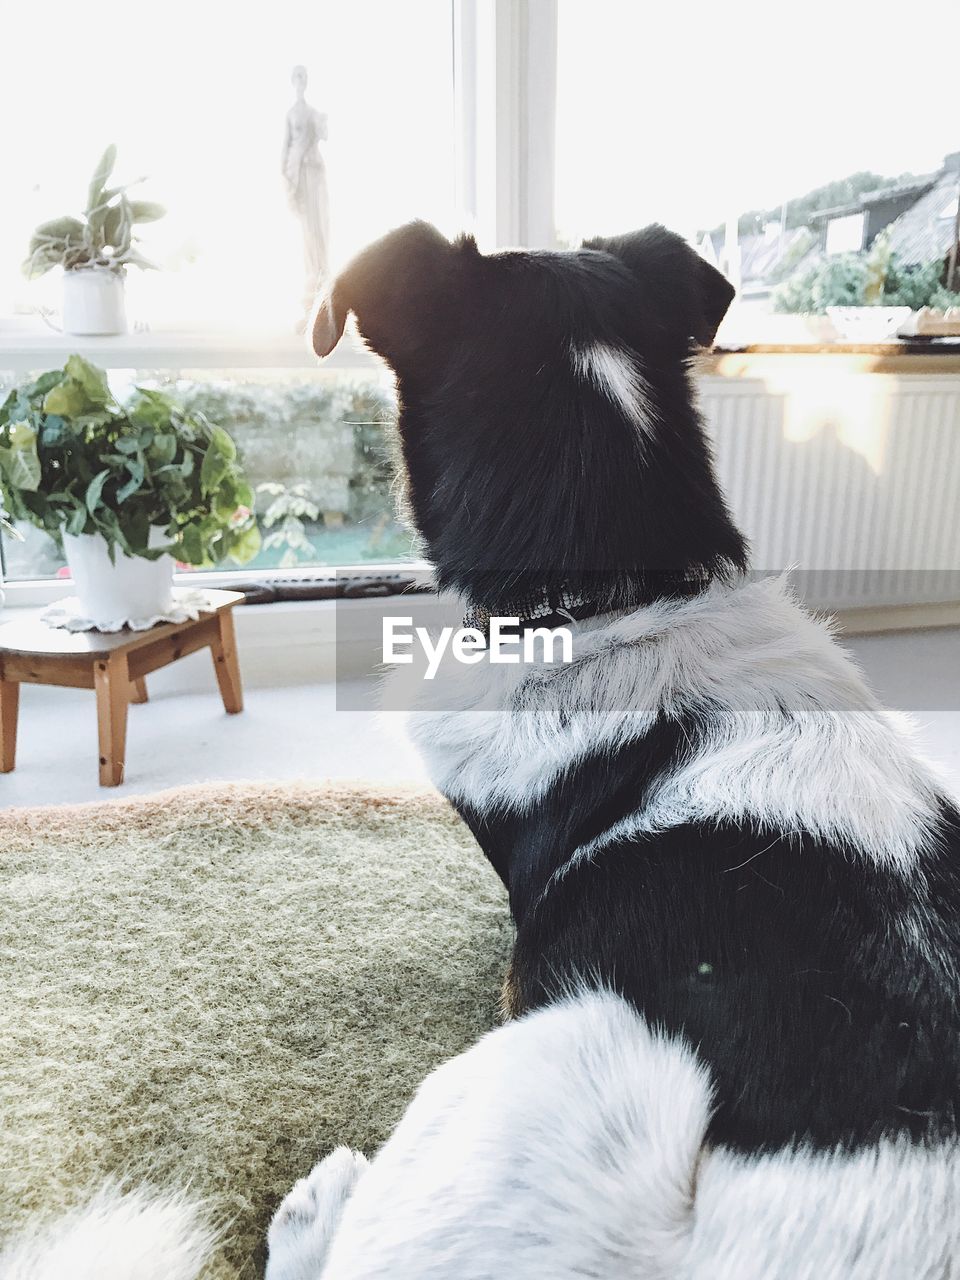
571,1144
121,1234
707,812
735,885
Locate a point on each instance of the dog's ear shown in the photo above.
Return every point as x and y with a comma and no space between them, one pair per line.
683,287
329,318
396,288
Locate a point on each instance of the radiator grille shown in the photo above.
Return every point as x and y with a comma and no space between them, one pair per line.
853,480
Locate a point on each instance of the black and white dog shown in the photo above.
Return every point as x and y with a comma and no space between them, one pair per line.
734,1048
734,883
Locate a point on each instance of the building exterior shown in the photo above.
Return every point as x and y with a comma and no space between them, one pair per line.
927,230
852,228
919,216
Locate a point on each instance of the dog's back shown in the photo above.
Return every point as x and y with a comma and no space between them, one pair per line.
710,812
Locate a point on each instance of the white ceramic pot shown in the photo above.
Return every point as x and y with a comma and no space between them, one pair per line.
131,589
93,302
867,324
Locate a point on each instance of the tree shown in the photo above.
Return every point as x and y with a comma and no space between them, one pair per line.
857,280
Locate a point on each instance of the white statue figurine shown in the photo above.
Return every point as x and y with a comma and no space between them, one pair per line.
305,175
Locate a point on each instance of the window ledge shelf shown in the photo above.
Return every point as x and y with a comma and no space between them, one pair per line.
937,357
27,347
40,592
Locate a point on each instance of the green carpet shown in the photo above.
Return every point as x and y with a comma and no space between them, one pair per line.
214,986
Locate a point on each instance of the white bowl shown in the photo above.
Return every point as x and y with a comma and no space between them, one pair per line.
867,324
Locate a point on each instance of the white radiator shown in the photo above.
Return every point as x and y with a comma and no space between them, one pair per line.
854,478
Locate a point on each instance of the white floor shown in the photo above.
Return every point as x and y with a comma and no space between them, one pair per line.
298,733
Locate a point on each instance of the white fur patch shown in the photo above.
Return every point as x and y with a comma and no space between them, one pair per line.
571,1144
562,1145
304,1226
890,1211
117,1236
788,734
616,373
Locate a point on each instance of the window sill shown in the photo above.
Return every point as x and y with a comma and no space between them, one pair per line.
939,358
39,592
27,346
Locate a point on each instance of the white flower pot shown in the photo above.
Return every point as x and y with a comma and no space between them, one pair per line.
131,589
93,302
867,324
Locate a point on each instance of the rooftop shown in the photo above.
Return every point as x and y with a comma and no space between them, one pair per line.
926,230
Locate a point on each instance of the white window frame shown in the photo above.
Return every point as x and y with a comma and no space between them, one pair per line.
505,76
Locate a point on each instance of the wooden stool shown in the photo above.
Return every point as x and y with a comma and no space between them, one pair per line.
116,666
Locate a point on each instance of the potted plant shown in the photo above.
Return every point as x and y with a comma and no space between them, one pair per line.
94,251
144,479
867,297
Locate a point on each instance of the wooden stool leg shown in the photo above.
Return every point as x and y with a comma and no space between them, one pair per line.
112,683
138,691
225,664
9,706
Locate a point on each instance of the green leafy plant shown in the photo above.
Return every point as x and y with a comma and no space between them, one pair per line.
879,263
284,517
875,279
102,237
74,460
840,281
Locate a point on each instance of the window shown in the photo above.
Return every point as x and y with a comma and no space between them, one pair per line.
735,124
845,234
772,143
195,96
316,450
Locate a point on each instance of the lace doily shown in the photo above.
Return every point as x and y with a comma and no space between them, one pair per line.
188,604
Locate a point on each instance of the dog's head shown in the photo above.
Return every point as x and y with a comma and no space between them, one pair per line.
415,293
545,415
